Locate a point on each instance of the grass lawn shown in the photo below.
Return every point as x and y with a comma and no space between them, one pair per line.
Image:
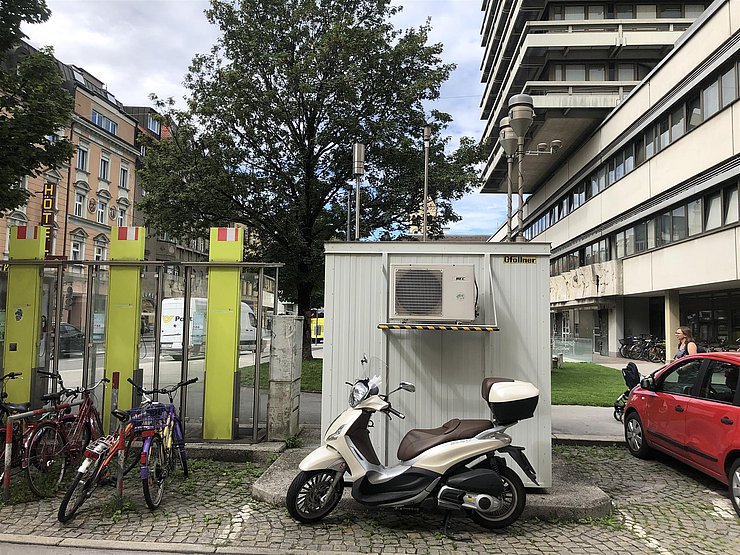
310,375
584,383
576,383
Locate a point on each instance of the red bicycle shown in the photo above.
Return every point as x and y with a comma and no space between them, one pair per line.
61,438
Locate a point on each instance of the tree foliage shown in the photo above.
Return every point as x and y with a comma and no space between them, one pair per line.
274,108
33,106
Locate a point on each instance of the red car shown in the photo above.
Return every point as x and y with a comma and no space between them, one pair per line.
690,409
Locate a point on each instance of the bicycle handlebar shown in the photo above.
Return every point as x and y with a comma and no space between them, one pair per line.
11,376
163,390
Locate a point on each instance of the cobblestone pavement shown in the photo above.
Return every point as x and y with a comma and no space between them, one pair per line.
660,507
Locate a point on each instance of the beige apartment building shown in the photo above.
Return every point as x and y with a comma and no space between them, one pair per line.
640,205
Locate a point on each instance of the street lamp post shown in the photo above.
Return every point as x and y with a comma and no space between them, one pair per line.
508,140
427,139
521,113
358,168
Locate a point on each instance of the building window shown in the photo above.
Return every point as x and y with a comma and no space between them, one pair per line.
123,182
102,121
596,12
79,205
729,86
102,211
574,12
692,11
646,11
678,223
664,228
677,123
575,72
104,168
693,112
99,251
710,99
731,207
121,217
78,249
670,11
713,217
695,217
624,11
153,124
81,158
629,241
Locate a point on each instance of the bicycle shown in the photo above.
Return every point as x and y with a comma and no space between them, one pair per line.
61,438
162,430
18,431
95,467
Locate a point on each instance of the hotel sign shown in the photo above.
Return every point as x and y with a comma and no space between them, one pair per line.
48,202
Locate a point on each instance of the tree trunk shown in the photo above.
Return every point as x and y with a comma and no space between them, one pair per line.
304,309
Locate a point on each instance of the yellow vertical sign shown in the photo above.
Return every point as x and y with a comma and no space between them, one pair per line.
23,315
222,333
123,315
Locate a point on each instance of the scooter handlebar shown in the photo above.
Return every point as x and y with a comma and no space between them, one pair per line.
393,411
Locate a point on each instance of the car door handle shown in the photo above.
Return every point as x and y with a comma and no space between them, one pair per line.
679,408
726,420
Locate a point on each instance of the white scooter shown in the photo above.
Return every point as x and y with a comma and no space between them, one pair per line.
453,467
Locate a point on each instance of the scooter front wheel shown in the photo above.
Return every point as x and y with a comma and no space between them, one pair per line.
513,498
313,495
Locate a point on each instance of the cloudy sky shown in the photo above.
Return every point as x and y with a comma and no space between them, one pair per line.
139,47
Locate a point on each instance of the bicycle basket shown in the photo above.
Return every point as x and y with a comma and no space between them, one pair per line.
152,417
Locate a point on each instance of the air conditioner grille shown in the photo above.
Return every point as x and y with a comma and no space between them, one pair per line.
418,292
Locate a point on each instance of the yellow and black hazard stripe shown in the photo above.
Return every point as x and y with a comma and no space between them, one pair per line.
435,327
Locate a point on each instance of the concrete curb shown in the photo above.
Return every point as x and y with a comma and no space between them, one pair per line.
100,546
568,439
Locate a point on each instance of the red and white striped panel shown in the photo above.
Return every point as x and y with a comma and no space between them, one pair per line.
128,233
228,234
28,232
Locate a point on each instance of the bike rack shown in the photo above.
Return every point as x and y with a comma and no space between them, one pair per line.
9,437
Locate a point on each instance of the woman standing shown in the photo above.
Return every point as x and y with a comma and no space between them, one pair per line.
686,343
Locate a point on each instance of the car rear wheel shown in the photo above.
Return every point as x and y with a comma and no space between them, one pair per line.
734,485
634,435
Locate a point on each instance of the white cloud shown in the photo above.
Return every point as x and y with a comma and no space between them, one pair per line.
138,47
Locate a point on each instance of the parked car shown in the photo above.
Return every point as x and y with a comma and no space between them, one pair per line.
690,410
72,339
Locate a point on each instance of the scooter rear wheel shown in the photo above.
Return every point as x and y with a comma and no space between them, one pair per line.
514,498
311,496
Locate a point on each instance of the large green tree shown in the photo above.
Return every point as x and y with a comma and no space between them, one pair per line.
266,139
33,106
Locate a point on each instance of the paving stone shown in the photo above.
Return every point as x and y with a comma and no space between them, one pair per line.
660,506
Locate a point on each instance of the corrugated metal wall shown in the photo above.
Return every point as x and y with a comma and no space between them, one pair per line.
447,367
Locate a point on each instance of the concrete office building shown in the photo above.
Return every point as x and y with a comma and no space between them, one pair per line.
640,204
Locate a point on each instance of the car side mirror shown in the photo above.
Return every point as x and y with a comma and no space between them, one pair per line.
648,383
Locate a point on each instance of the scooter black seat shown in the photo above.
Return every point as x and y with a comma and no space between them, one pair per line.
417,441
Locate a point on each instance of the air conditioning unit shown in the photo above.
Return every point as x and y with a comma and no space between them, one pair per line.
433,292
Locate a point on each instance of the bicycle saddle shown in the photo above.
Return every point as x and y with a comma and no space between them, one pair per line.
17,407
121,415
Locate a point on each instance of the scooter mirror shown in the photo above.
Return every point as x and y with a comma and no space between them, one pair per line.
406,386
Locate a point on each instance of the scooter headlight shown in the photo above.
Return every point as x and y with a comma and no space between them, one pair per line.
358,393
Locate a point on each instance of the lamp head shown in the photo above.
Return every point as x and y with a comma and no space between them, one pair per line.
555,145
521,113
507,137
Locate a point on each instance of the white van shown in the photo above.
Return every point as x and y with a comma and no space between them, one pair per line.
172,327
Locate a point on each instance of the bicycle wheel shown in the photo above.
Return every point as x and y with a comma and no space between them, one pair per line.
46,460
152,480
80,489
